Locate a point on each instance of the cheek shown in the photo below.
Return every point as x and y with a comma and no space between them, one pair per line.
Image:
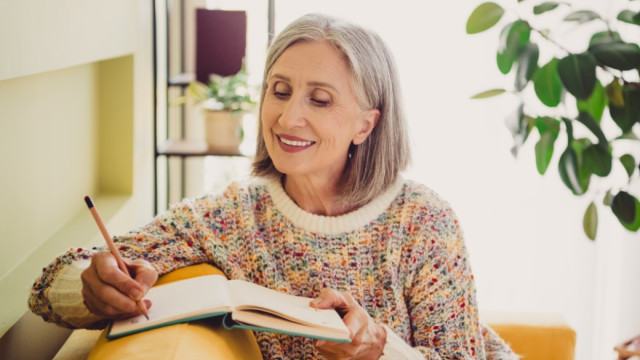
269,113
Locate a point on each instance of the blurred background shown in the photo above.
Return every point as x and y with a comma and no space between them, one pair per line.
523,230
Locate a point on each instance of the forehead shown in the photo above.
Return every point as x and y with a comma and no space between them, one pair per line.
313,60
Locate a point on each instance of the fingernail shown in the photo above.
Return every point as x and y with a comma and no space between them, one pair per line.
136,294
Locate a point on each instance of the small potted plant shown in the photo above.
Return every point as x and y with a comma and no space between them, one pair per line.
225,100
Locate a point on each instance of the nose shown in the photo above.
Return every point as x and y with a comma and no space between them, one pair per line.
293,114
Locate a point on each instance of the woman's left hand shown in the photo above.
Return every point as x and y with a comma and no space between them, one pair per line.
367,337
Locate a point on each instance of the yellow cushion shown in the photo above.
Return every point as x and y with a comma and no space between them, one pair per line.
535,336
195,340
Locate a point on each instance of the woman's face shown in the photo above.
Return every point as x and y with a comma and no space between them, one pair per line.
310,114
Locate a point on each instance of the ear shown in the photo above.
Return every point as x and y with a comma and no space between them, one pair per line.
368,121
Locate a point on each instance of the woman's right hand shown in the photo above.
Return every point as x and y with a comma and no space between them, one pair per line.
110,293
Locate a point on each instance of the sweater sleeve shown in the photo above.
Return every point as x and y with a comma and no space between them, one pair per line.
56,294
441,295
172,240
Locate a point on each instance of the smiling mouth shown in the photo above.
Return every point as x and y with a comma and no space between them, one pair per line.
295,143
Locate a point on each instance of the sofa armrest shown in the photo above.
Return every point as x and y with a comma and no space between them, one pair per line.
534,336
194,340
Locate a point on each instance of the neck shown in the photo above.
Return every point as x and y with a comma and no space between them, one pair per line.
316,196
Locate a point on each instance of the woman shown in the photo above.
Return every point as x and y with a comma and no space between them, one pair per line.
328,217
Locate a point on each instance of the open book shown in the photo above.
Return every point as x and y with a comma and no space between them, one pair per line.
243,305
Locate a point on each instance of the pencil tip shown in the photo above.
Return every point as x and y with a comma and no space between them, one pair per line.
87,200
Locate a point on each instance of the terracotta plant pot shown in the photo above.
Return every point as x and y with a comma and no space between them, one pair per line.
223,131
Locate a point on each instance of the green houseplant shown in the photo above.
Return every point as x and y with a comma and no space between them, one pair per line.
593,90
225,100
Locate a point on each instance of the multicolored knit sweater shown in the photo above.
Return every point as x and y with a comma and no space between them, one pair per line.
402,257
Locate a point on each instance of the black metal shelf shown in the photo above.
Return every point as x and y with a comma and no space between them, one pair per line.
186,148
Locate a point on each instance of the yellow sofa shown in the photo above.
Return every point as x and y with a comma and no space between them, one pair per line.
534,337
204,339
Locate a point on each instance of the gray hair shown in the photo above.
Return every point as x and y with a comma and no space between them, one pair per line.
376,163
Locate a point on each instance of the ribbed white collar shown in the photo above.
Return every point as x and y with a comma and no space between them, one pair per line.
331,224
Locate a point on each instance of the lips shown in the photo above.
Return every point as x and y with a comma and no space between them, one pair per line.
293,144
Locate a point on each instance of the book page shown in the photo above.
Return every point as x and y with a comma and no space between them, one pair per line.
249,296
184,299
256,320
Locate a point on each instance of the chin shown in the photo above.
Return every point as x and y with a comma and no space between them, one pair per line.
287,169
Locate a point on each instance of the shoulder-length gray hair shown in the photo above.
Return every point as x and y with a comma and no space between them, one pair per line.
376,163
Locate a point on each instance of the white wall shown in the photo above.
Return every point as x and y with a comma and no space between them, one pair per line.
71,72
524,231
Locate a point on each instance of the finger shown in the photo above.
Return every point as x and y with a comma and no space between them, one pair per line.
114,298
101,296
143,273
114,306
109,273
355,317
328,299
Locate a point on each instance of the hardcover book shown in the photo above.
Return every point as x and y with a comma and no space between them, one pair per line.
241,304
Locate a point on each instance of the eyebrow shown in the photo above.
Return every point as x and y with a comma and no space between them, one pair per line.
310,83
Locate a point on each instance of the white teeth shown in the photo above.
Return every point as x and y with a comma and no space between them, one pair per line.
296,143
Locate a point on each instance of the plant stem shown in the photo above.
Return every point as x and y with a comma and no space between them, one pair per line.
549,39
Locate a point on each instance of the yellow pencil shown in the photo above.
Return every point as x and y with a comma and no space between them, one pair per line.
112,248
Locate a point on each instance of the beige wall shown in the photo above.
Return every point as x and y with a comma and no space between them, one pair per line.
75,119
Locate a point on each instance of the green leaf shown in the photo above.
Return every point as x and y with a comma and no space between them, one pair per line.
628,136
518,127
527,65
547,84
627,209
588,121
582,16
590,221
617,55
513,38
544,152
569,173
585,168
629,163
484,17
614,93
604,37
578,74
628,16
626,116
549,128
569,126
544,7
595,104
597,159
548,125
488,93
608,198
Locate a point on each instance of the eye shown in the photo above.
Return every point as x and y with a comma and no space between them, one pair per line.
281,90
320,102
320,98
